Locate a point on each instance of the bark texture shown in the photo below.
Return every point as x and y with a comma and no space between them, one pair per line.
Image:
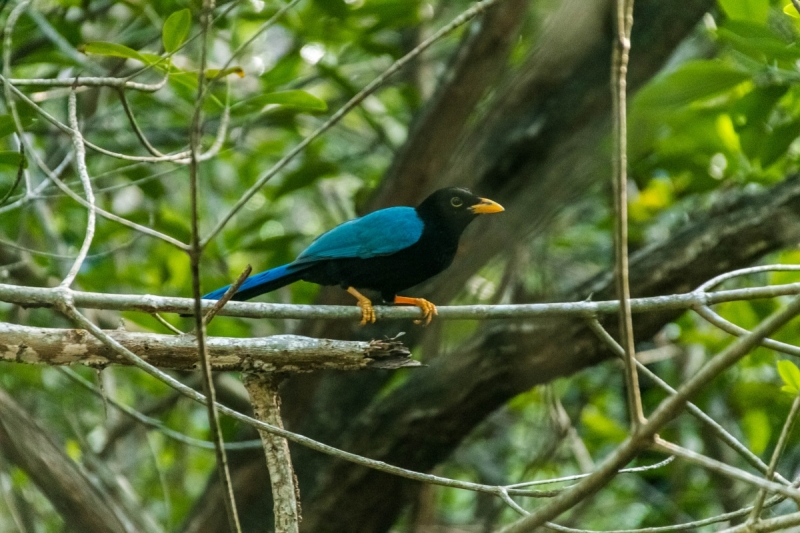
278,353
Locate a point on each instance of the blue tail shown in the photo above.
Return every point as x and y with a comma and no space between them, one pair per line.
266,281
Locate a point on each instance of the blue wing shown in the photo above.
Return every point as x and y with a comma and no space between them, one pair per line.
383,232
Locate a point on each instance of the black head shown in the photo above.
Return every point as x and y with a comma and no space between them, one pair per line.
455,208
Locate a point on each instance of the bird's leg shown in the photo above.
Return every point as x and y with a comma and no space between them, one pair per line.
428,309
367,311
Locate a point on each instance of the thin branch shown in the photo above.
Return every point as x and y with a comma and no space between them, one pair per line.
460,20
119,83
725,469
755,516
737,331
195,255
54,178
135,125
261,29
713,282
163,322
148,303
695,411
619,72
666,411
154,423
635,469
773,524
263,390
80,162
31,195
209,316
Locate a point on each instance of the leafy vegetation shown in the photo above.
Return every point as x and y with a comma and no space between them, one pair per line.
719,119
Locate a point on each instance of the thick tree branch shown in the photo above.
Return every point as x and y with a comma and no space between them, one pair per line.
279,353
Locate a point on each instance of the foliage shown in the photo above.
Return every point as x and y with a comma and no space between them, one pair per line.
724,112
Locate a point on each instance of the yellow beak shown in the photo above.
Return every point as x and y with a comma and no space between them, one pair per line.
486,206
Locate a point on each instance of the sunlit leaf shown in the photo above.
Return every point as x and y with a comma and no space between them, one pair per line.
175,30
112,50
216,73
790,10
694,80
295,99
753,10
790,375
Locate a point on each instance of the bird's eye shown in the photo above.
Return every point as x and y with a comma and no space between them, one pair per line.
455,201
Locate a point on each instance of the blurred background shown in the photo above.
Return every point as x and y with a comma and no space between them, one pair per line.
516,107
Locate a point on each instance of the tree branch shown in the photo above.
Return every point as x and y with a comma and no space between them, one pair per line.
279,353
263,390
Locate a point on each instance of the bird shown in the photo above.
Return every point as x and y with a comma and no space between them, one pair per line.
388,251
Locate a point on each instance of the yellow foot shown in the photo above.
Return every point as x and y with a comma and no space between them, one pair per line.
428,309
367,311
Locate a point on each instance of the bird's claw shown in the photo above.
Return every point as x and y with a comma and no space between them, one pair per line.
367,313
428,311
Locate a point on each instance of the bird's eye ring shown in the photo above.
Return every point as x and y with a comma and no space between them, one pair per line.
455,201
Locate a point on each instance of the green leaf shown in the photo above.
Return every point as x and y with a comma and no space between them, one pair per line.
295,99
176,29
113,50
756,426
790,10
7,126
790,375
10,159
752,10
694,80
758,42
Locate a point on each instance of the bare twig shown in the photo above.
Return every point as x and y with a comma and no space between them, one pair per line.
119,83
147,303
135,125
619,72
163,322
755,515
209,316
263,390
80,162
154,423
725,469
195,255
737,331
